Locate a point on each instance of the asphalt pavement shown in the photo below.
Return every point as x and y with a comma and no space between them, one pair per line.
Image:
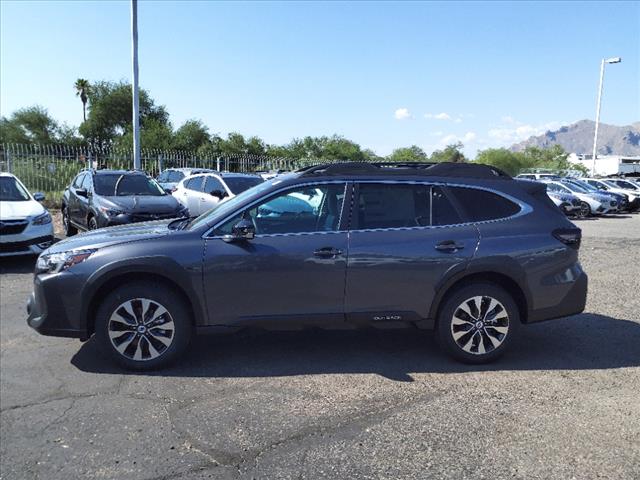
563,403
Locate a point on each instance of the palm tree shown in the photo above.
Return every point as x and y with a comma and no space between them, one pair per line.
83,88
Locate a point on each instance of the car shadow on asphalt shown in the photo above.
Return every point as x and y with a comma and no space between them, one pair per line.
586,341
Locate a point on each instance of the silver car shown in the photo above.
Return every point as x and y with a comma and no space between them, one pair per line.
200,193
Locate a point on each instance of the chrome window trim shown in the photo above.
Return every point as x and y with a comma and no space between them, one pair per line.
207,233
525,208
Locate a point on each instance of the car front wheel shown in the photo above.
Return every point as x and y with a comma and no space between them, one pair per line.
477,323
143,326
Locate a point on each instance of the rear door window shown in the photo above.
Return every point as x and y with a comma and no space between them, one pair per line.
175,176
382,206
212,183
482,205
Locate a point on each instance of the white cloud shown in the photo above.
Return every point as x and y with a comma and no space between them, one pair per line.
516,131
438,116
402,114
469,137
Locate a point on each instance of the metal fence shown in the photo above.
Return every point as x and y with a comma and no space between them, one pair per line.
50,168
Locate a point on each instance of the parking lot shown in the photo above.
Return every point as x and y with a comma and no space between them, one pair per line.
564,403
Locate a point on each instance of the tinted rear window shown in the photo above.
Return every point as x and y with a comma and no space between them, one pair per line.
403,205
482,205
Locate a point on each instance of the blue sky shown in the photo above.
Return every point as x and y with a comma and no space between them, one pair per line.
383,74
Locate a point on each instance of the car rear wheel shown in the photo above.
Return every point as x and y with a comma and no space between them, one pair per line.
477,323
143,326
93,223
69,229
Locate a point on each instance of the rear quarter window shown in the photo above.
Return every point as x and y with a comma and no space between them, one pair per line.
482,205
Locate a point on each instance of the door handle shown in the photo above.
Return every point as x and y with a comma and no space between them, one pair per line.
327,252
449,246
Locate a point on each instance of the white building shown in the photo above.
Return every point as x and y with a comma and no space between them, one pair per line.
607,165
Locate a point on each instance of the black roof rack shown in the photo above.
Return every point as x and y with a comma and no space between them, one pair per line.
442,169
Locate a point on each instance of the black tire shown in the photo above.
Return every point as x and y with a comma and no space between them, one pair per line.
454,334
92,224
174,326
69,230
585,210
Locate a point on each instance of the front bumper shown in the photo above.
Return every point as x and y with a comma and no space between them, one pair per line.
126,218
54,310
32,241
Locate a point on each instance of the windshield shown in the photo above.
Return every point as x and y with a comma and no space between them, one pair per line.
240,184
125,184
12,191
223,209
574,188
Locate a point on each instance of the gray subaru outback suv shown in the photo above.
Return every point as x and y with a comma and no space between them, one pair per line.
462,248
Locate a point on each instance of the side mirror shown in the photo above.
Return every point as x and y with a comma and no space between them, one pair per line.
38,196
243,230
219,194
82,192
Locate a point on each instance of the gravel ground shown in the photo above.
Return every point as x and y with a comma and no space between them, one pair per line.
564,403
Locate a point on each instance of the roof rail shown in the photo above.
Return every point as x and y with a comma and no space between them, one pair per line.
442,169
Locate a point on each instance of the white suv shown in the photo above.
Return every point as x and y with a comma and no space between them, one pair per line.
25,225
200,193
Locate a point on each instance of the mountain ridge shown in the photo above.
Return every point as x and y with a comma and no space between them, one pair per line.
578,138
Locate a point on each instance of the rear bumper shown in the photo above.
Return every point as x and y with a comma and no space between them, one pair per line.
572,303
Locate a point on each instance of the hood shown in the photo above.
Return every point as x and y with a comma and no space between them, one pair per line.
143,203
20,210
105,237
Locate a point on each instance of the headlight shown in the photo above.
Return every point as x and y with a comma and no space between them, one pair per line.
42,219
58,262
110,212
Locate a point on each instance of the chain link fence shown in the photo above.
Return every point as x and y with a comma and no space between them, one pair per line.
51,168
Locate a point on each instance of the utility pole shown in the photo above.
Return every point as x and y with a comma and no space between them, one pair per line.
134,85
598,105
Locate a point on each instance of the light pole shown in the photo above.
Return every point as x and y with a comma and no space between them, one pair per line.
595,134
134,85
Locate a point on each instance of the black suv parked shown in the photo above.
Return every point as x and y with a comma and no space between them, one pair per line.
461,248
101,198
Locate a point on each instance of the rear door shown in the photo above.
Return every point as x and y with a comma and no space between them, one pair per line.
404,238
191,194
208,201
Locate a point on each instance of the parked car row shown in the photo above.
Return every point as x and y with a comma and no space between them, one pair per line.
583,197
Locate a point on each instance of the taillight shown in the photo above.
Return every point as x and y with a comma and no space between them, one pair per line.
173,190
569,236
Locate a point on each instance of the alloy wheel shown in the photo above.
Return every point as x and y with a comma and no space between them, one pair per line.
480,324
585,210
141,329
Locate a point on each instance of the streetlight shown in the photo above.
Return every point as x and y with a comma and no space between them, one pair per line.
134,85
595,135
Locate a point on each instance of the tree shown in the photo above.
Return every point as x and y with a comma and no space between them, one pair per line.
502,158
191,136
29,125
410,154
235,143
83,87
452,153
110,114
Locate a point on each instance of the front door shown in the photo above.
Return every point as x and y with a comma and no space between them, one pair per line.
404,238
292,272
